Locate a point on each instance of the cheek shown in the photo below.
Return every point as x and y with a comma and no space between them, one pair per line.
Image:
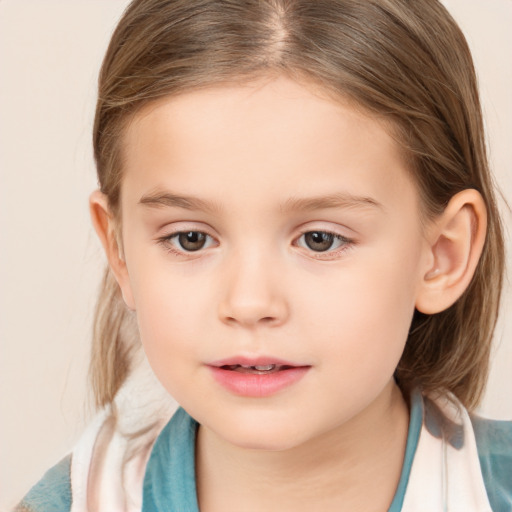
171,313
168,314
168,331
365,311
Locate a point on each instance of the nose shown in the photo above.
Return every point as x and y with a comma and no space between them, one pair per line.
252,293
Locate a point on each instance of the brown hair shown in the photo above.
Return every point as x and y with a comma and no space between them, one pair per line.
404,60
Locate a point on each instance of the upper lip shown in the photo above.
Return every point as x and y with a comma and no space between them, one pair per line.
253,361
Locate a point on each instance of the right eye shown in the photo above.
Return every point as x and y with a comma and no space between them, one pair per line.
187,241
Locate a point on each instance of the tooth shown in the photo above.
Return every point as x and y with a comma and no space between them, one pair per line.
265,367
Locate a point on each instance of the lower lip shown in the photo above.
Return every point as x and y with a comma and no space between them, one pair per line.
257,385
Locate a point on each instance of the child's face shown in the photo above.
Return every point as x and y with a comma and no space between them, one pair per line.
254,164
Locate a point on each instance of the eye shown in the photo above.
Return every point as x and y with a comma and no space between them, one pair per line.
322,241
187,241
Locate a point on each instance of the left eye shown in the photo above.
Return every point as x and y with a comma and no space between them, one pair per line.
321,241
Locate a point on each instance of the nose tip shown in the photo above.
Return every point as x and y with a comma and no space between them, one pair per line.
251,315
253,298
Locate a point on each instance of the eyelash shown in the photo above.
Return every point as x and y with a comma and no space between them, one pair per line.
347,243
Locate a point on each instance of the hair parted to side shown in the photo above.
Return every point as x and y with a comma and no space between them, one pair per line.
403,60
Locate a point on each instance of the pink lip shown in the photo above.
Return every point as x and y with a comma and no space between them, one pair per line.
256,385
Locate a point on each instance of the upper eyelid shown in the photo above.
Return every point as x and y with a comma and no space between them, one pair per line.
174,234
346,240
169,232
207,230
301,232
328,231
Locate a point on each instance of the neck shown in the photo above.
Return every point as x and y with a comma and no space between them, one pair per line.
330,471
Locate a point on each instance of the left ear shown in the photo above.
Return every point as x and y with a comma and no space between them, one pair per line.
456,239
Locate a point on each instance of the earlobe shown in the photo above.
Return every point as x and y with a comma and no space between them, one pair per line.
456,240
106,229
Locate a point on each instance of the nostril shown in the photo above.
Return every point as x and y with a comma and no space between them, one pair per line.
252,307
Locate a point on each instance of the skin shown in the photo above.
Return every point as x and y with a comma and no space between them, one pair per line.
257,288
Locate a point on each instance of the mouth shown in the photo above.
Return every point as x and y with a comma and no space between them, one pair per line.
257,377
259,369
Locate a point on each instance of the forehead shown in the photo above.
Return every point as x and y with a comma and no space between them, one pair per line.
278,136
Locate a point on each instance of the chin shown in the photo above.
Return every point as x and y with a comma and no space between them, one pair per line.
260,443
263,436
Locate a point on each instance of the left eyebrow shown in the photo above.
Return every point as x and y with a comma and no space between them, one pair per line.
338,200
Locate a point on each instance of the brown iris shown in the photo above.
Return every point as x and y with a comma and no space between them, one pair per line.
192,240
318,240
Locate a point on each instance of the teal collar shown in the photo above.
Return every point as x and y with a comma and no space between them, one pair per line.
413,436
170,481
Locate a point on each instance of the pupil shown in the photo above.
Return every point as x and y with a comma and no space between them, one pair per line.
318,240
192,241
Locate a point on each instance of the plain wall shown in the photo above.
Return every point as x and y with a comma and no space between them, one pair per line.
50,261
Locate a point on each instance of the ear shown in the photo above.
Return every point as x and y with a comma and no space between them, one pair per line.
108,232
456,239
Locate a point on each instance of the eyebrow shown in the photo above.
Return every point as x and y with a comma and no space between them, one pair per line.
293,204
171,200
336,200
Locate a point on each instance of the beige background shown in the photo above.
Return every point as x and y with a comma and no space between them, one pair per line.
50,261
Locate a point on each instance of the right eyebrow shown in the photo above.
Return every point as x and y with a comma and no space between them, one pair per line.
168,199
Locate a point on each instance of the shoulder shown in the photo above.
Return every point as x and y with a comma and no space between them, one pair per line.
52,493
494,444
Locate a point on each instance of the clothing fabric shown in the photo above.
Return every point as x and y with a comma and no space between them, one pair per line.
452,462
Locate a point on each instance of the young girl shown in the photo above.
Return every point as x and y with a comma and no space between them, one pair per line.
304,248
